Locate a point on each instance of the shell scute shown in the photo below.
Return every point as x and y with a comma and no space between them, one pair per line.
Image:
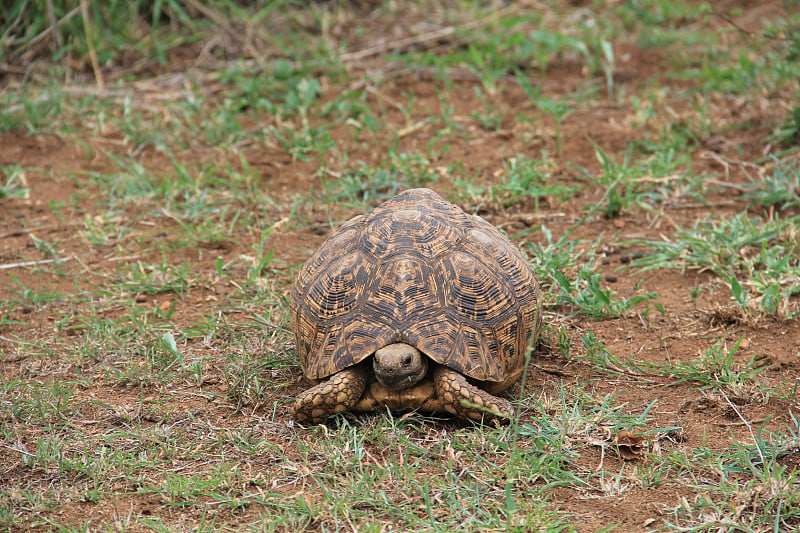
336,291
418,270
403,288
404,231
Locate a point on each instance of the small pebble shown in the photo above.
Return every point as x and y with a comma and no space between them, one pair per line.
27,308
611,278
624,259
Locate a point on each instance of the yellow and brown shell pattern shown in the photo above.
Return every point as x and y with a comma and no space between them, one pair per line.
419,270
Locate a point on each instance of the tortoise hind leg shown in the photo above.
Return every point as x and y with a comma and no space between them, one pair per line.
336,394
465,400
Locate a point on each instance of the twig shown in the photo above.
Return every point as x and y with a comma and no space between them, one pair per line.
87,30
215,17
33,263
739,423
411,128
36,40
726,162
51,12
730,21
25,231
746,423
435,35
23,452
395,45
396,71
6,36
21,232
726,185
12,69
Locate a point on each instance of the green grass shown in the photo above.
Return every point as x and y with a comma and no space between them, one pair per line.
779,186
168,166
761,253
766,501
576,286
13,182
714,368
523,179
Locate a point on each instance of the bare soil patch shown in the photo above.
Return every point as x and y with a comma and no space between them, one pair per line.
49,340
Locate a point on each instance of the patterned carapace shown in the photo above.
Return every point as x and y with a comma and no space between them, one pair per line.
421,271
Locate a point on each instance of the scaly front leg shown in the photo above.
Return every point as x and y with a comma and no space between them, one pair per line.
335,395
465,400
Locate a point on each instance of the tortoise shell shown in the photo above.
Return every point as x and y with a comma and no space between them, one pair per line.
418,270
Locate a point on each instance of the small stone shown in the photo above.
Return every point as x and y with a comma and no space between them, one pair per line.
611,278
744,344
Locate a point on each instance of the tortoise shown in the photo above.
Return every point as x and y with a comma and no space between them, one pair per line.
414,305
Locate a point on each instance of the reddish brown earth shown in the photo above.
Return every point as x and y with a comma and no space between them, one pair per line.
55,172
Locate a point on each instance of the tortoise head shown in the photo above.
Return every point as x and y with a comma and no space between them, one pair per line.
399,366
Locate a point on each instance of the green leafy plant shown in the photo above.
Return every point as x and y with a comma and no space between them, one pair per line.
575,286
526,178
559,110
779,187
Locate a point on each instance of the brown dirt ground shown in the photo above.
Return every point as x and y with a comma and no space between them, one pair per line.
687,329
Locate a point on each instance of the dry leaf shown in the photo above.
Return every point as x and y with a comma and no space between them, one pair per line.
629,445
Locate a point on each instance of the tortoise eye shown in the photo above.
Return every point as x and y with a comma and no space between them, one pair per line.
407,360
